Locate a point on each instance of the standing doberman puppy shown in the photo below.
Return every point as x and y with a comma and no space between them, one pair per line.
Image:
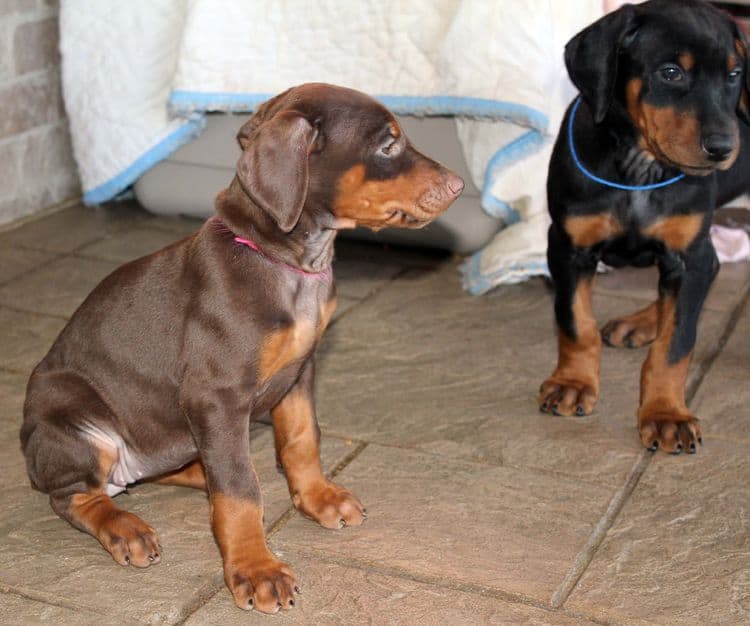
644,156
159,372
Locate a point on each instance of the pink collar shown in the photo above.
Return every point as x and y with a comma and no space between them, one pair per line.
216,220
297,270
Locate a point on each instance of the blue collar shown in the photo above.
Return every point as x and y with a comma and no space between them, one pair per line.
602,181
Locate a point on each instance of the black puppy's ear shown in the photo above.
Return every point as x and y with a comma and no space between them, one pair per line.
743,104
273,167
591,57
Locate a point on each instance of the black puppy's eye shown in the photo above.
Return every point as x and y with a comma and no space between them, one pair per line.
734,75
671,73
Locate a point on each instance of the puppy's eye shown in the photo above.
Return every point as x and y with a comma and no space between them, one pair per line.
734,75
671,73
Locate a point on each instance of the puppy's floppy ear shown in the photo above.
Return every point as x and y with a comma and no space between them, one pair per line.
743,104
273,167
592,55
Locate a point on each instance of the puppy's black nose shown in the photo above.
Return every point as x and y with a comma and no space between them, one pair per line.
454,183
718,147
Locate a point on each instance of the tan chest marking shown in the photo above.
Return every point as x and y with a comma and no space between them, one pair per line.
293,343
286,345
677,232
588,230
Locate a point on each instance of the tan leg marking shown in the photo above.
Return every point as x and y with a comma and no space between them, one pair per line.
298,450
663,417
125,536
256,578
574,385
190,475
633,331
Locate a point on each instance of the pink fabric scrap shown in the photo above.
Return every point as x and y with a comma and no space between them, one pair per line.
732,244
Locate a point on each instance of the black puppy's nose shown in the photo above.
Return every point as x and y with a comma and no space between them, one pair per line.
454,183
717,146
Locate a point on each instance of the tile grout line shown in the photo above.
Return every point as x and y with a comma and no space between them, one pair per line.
444,583
470,459
375,291
587,553
44,598
39,215
212,588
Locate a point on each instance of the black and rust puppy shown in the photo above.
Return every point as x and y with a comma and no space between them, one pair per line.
646,153
160,371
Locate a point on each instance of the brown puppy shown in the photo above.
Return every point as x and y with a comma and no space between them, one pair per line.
159,372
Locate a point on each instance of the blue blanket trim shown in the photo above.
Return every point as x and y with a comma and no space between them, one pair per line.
115,185
185,102
477,283
523,146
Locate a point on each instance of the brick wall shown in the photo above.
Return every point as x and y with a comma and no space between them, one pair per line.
36,161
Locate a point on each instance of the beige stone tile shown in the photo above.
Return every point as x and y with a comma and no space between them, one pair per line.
357,279
57,288
515,531
71,228
17,610
679,552
42,553
723,400
130,244
729,286
343,306
17,261
25,338
337,594
425,365
12,392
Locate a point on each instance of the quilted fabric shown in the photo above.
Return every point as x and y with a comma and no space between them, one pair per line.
138,76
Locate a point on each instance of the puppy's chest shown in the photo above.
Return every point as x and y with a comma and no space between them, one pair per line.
637,220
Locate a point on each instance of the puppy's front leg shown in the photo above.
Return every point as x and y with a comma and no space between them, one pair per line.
574,385
298,450
664,420
255,577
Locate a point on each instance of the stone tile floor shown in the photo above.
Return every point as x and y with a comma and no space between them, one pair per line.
481,509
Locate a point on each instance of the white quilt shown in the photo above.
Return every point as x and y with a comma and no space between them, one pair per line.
139,75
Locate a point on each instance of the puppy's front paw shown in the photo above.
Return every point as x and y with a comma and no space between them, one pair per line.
673,433
564,396
265,584
330,505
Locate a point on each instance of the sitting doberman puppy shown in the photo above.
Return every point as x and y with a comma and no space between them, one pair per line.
160,371
644,156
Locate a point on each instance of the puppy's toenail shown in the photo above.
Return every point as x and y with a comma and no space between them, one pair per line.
297,589
654,446
579,411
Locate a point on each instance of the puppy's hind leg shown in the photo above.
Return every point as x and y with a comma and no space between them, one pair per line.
63,461
633,331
